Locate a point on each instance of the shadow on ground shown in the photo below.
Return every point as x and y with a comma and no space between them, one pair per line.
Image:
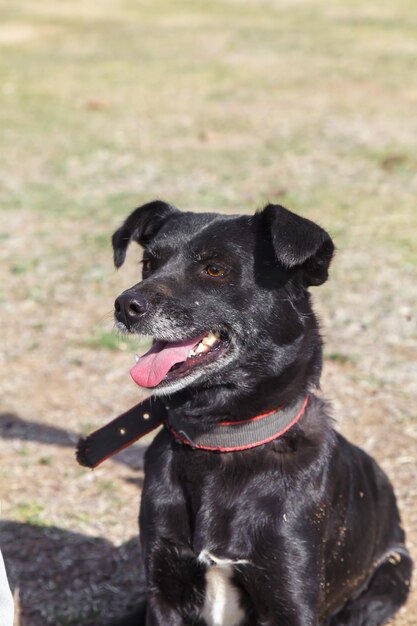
82,580
14,427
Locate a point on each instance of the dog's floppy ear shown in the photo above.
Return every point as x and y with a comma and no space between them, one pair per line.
299,242
140,226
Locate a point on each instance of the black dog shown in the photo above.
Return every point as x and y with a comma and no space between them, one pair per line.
254,510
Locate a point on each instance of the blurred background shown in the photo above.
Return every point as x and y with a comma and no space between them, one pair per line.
220,106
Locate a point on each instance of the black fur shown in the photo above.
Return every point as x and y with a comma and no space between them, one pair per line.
312,518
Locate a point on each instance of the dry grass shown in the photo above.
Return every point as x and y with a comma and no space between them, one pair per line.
215,106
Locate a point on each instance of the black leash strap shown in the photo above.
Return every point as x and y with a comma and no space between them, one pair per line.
121,432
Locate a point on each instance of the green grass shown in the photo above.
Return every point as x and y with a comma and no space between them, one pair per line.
339,357
102,339
30,511
217,105
45,460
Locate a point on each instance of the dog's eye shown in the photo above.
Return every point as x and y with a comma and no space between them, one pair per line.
147,265
215,271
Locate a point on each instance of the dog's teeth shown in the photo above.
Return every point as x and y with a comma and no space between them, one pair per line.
210,339
137,357
204,345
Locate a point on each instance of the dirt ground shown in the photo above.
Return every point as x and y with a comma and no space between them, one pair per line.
107,105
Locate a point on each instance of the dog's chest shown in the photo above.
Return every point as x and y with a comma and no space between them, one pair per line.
222,606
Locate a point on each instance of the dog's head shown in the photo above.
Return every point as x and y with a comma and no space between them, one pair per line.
224,297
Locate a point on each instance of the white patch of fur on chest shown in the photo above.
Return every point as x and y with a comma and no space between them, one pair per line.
222,598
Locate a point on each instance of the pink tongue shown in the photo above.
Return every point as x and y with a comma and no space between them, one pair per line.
153,366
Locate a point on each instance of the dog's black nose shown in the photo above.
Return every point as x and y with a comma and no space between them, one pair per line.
129,307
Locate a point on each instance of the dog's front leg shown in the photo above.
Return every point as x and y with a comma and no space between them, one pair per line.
277,603
175,585
283,587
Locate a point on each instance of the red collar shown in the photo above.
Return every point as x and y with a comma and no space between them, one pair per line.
233,436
